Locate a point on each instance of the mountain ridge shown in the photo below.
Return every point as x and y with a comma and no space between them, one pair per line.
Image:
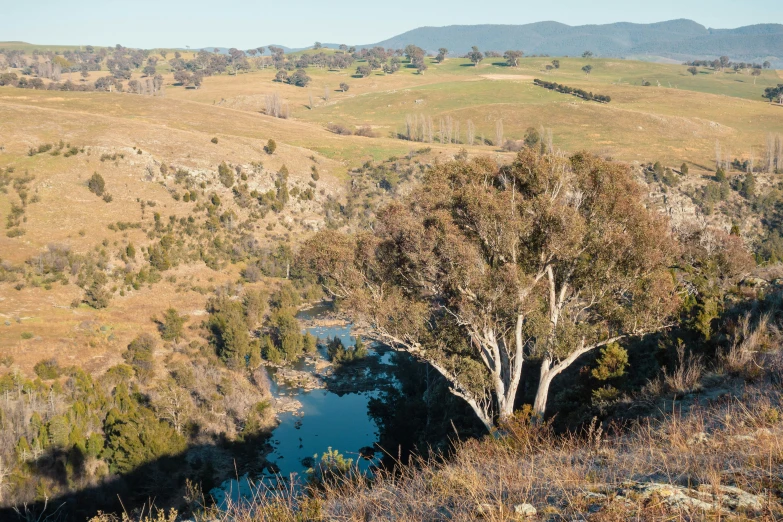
679,39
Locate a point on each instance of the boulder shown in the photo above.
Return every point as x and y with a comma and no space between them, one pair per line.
524,510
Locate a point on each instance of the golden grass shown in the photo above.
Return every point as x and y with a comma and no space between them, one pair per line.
716,461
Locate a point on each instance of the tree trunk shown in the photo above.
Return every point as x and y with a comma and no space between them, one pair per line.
544,382
482,416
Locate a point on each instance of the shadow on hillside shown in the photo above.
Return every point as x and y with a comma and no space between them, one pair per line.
160,482
411,405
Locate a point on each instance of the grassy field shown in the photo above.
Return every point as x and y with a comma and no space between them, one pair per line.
678,121
670,124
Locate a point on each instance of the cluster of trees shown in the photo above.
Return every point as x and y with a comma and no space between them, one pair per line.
724,62
299,78
419,127
243,333
124,432
774,93
581,93
338,353
535,139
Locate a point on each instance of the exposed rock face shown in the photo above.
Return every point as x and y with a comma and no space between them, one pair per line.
298,379
524,510
724,500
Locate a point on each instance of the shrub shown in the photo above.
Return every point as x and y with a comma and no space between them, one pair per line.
344,87
27,335
140,355
339,128
47,370
271,146
214,140
226,175
96,184
172,325
366,131
684,168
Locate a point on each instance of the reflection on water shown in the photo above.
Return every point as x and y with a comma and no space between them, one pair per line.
326,420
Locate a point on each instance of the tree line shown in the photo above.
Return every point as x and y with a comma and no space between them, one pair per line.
581,93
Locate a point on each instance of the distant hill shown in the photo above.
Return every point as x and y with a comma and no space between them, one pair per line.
224,50
676,39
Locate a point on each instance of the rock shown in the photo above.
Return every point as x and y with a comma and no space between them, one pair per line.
483,510
367,452
524,510
699,438
723,499
308,462
753,281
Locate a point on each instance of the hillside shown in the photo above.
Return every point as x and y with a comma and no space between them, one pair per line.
156,206
682,40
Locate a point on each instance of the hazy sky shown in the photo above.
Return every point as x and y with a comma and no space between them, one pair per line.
245,24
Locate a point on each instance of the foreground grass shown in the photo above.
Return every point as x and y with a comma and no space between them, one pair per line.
714,460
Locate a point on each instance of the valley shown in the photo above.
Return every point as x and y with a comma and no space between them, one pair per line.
170,216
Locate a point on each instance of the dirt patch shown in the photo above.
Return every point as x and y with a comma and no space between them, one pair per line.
512,77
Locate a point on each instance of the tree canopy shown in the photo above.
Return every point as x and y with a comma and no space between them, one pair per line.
483,268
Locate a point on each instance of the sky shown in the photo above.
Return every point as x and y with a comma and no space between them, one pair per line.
245,24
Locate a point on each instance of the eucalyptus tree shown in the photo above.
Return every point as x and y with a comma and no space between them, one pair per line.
475,56
485,268
512,57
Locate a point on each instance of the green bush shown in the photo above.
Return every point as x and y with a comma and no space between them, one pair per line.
140,355
47,369
96,184
225,175
271,146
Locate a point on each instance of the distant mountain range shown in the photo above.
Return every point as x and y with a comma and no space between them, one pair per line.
679,40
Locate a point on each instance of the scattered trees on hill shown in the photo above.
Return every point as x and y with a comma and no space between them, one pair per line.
587,69
556,64
439,279
693,70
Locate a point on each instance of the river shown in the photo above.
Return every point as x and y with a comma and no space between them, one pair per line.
335,417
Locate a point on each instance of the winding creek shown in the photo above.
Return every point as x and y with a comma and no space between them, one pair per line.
333,416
